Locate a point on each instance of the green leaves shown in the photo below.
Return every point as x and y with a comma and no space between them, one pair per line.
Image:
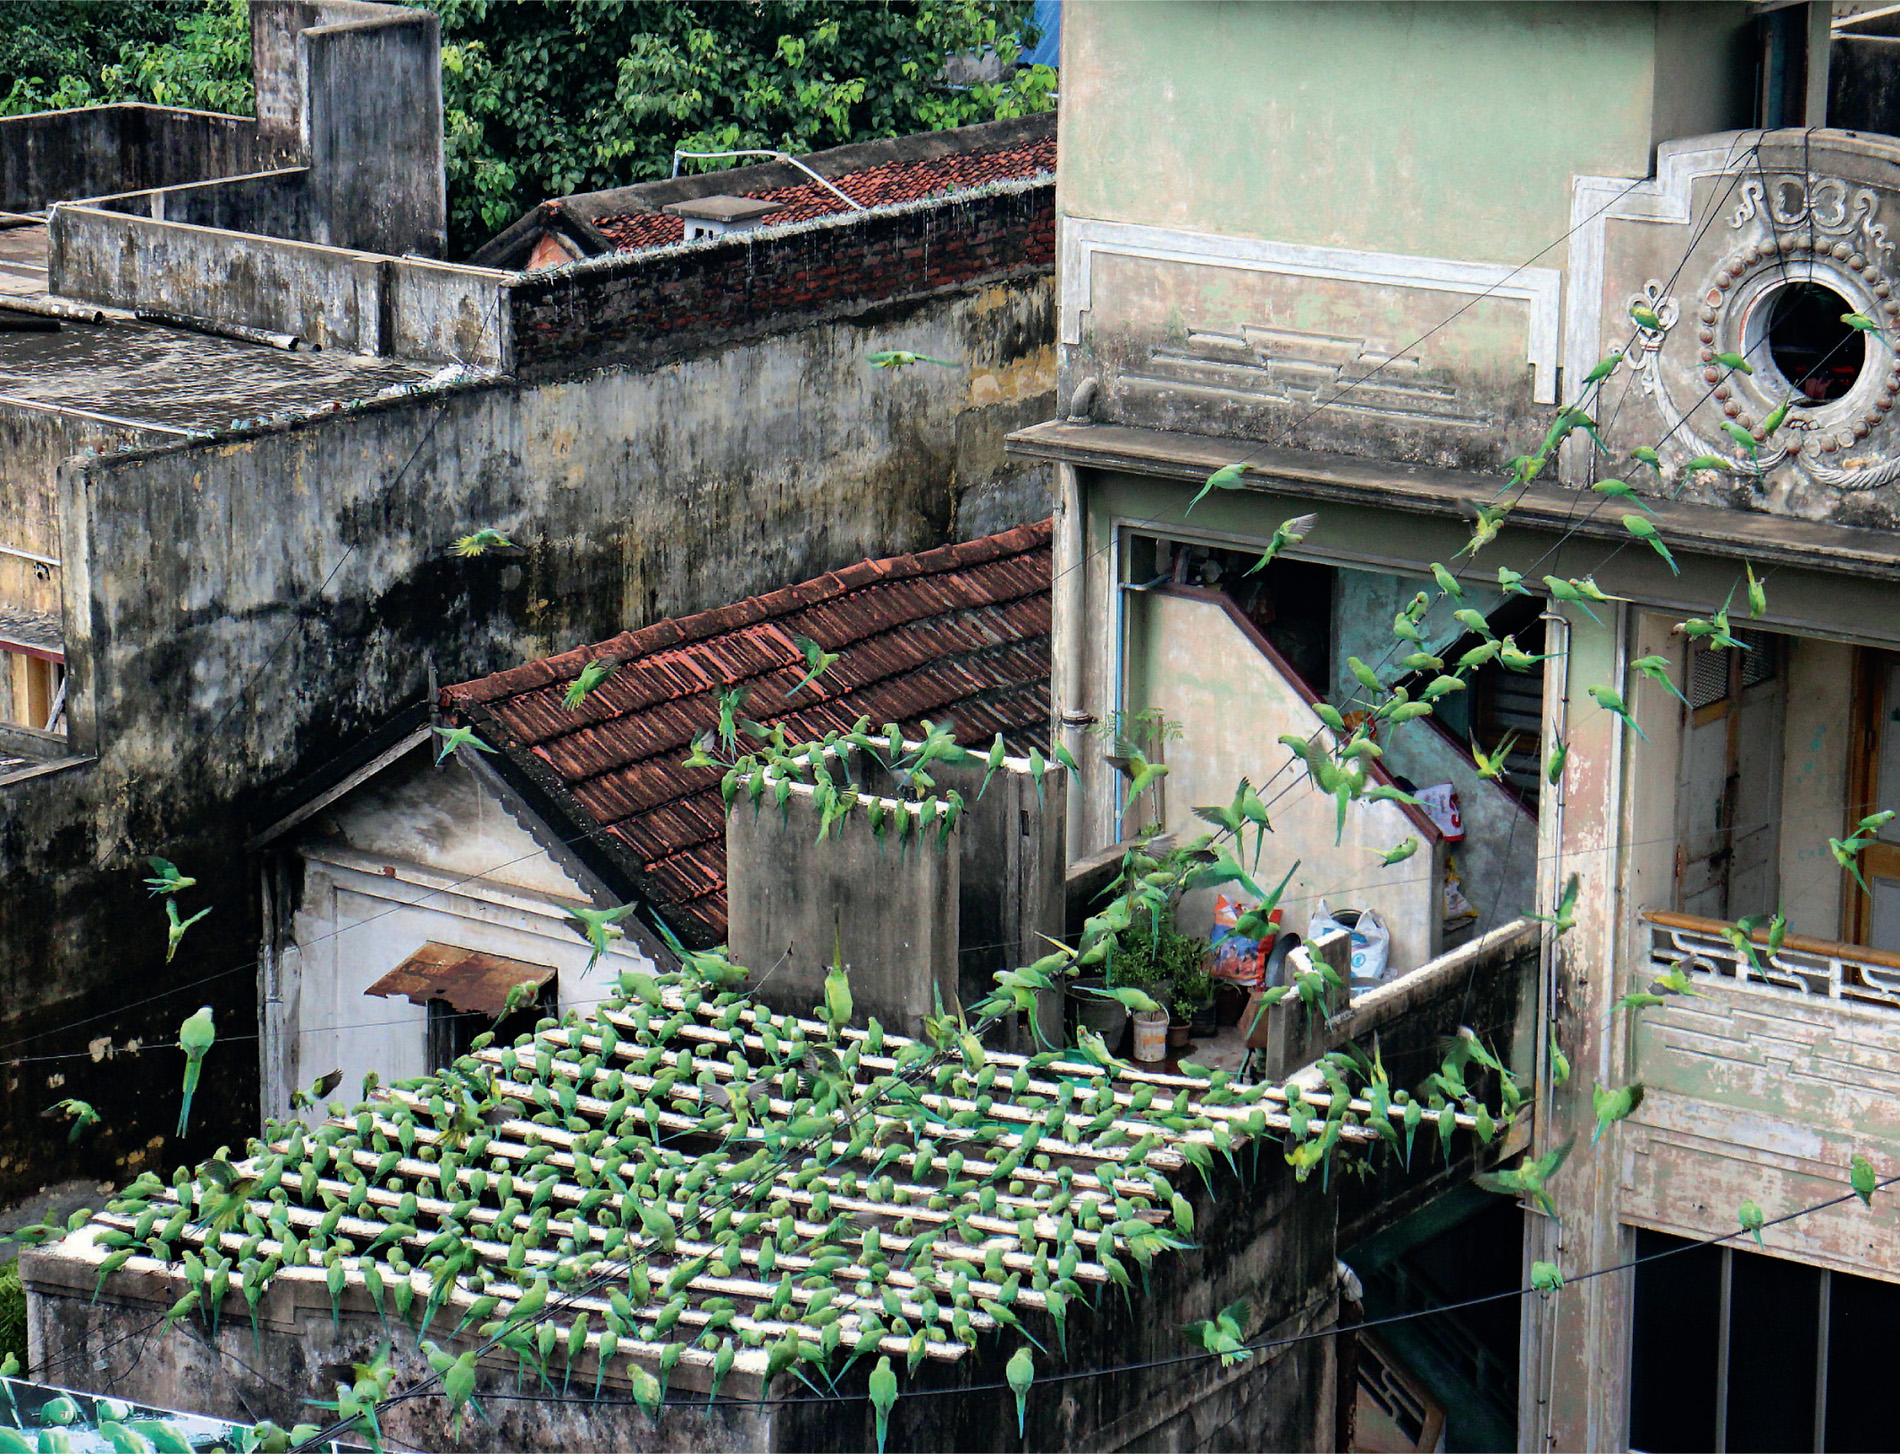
544,100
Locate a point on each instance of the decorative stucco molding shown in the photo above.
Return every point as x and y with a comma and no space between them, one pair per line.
1080,240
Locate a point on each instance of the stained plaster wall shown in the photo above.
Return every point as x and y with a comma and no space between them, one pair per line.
1376,125
421,852
239,611
1188,658
1393,262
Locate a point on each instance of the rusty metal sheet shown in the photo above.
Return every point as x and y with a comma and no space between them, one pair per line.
467,980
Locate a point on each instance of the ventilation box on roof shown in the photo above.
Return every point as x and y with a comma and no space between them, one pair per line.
717,216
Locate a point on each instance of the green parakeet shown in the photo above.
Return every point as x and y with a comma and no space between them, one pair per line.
195,1037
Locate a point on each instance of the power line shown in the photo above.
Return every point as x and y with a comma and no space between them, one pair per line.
1198,1355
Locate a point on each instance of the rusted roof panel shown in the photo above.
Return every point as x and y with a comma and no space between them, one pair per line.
470,981
959,634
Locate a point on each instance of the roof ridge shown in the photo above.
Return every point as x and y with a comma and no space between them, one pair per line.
769,606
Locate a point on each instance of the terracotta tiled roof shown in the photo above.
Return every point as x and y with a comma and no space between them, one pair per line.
960,633
879,186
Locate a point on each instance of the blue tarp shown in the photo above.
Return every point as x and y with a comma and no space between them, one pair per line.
1047,18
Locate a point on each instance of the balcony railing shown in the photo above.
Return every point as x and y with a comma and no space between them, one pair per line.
1801,967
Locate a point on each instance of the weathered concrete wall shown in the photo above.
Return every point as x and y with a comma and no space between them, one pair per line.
274,203
350,91
241,611
446,313
331,297
327,296
373,123
299,1349
91,151
888,909
32,443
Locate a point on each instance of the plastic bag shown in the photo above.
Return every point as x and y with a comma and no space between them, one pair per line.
1440,802
1371,942
1237,959
1458,909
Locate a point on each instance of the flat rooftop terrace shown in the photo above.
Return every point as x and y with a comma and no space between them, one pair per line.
160,377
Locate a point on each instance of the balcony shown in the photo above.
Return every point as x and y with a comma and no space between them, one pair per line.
1764,1081
1805,969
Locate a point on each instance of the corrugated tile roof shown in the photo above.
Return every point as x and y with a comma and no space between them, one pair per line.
880,186
960,633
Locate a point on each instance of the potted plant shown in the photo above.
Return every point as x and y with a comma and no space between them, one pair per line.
1197,989
1180,1023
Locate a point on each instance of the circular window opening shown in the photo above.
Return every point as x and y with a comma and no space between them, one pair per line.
1819,355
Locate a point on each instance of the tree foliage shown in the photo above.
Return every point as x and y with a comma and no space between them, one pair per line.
540,100
544,100
195,53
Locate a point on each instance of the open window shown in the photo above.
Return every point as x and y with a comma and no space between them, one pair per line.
466,992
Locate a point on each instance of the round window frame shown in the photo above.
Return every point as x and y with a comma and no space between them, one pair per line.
1751,307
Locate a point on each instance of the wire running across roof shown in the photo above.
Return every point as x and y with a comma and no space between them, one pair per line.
687,1185
959,634
879,186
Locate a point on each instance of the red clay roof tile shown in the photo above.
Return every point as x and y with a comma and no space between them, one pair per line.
880,186
960,633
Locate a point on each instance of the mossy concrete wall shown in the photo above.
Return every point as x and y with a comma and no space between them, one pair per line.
240,611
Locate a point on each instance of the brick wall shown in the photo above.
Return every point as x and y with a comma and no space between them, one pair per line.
646,307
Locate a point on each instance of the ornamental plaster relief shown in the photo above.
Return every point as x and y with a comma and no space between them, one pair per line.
1750,244
1430,360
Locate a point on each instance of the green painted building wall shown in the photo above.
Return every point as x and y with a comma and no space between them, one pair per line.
1441,129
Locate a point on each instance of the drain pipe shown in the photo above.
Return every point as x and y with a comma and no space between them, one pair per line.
680,156
1072,718
1538,1341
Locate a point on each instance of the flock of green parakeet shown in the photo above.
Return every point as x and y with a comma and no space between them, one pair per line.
685,1185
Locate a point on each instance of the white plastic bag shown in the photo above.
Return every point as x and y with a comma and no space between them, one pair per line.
1440,802
1371,942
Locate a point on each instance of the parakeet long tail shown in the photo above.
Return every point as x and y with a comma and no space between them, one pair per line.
192,1068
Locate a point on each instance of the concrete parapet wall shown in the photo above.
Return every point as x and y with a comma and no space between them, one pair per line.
447,313
90,151
275,203
350,91
888,909
330,297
